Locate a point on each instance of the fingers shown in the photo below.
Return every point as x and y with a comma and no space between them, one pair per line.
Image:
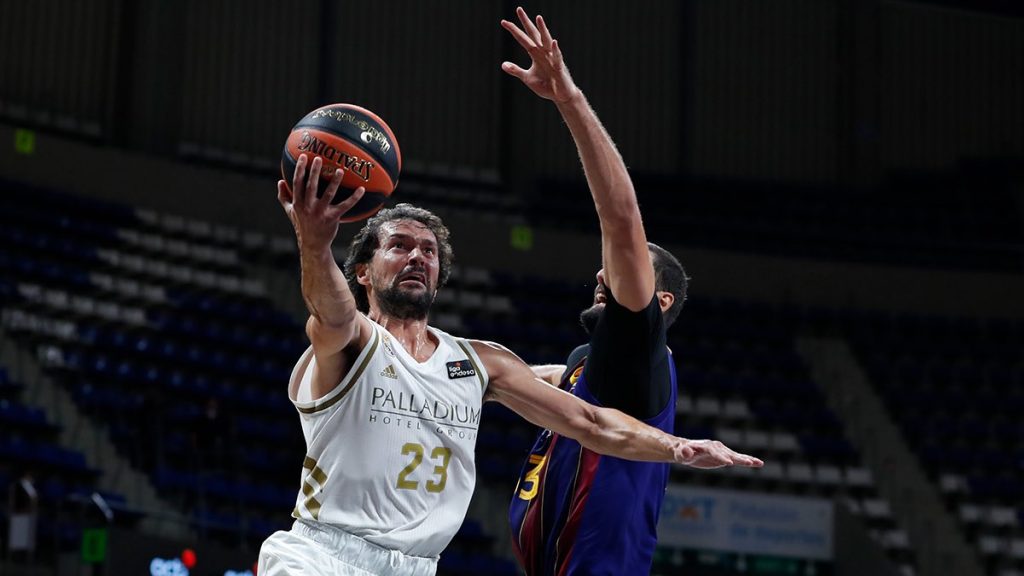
545,35
687,453
284,195
519,35
332,186
299,181
528,26
737,458
709,454
345,205
536,40
313,182
556,52
682,451
303,196
513,70
749,461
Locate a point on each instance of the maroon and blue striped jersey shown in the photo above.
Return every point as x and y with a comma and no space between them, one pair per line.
576,512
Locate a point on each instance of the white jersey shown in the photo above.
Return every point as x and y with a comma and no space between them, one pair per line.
389,451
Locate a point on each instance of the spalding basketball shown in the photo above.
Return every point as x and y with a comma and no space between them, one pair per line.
353,139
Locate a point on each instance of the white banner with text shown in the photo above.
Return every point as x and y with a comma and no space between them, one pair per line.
746,522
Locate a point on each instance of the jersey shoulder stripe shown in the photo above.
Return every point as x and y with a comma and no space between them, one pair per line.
475,362
343,387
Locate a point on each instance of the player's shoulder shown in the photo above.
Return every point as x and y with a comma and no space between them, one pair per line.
486,347
450,340
495,358
577,355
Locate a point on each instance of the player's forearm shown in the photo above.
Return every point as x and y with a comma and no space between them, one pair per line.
603,166
325,289
623,241
614,433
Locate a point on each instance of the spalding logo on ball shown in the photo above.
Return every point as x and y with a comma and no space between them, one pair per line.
353,139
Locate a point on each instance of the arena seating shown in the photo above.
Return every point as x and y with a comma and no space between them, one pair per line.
956,388
144,330
153,325
63,482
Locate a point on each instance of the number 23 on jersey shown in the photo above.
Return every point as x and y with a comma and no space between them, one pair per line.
440,456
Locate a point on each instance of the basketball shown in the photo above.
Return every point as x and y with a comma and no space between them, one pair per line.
351,138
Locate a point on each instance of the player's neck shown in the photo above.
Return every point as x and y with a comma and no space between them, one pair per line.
412,334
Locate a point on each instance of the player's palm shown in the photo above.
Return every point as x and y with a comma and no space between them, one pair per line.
549,83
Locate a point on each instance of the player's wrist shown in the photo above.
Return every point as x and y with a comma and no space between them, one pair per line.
575,96
315,251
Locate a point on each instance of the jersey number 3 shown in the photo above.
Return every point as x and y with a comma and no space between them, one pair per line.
441,470
529,484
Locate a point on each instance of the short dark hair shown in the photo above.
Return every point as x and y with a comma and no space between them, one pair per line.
669,276
367,240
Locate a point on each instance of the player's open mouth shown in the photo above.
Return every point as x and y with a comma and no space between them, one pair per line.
415,277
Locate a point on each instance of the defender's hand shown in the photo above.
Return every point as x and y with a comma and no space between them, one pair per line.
548,76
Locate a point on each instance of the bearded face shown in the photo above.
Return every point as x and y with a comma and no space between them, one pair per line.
402,276
590,316
408,296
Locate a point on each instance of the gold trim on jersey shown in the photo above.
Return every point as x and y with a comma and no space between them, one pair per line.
355,378
311,504
479,373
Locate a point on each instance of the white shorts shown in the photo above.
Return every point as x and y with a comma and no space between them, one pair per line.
311,548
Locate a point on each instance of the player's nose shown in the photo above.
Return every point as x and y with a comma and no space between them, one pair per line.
600,277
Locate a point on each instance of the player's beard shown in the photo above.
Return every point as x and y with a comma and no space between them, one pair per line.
590,317
404,304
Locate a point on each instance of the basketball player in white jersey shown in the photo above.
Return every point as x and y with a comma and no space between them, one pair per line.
390,406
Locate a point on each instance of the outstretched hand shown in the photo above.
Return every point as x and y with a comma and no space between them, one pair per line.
315,219
547,77
712,454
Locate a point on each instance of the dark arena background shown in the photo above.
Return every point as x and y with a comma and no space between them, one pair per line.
843,180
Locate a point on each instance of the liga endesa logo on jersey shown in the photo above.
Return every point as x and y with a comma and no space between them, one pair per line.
460,369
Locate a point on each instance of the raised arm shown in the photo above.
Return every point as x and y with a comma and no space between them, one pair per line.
602,430
334,323
627,262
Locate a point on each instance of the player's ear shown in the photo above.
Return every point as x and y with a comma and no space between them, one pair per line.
665,300
363,274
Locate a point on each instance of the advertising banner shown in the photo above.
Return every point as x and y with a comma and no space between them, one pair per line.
744,522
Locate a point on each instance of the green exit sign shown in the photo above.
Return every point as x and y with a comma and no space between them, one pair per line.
521,238
24,141
94,545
